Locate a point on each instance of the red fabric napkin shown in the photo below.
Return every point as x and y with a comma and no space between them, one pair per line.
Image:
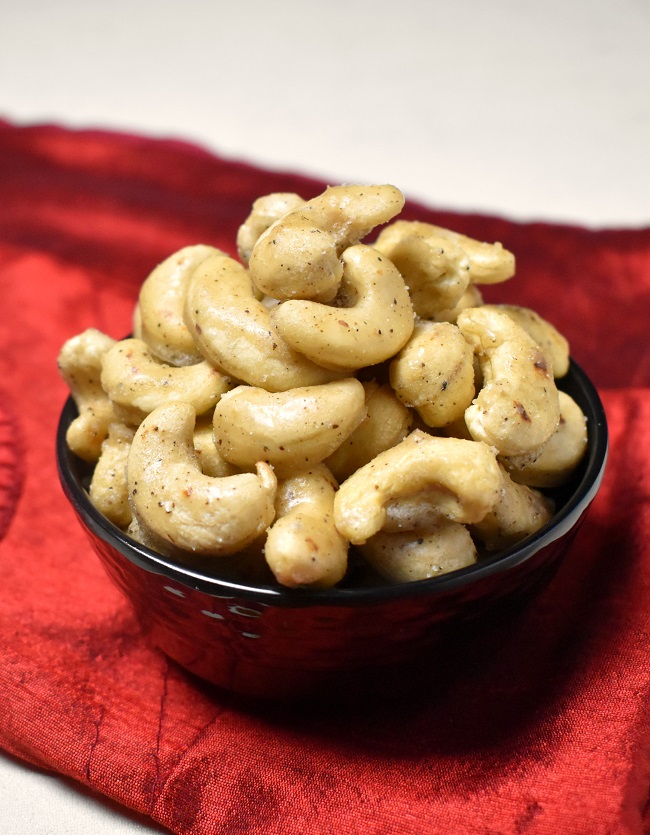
542,728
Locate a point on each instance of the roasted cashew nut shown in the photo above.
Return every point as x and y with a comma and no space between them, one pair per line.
298,257
303,546
159,320
561,454
108,489
80,364
265,211
292,430
472,297
409,556
371,328
517,409
173,500
137,383
234,331
387,422
489,263
434,373
519,512
460,479
436,269
552,343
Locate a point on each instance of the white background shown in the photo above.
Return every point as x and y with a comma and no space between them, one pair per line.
533,111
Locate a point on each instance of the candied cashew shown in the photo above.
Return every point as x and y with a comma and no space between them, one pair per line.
108,489
172,500
517,409
210,459
80,363
137,383
561,454
374,326
519,512
387,422
436,269
472,297
303,546
434,373
460,479
298,256
292,430
264,212
552,343
161,303
234,331
408,556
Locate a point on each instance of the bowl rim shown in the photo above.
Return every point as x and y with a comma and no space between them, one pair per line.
566,517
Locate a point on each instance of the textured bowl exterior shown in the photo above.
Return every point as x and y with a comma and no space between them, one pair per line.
269,642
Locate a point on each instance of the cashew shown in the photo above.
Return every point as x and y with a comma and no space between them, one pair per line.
161,304
461,480
489,263
234,331
387,423
265,211
561,454
371,329
303,546
291,430
552,343
434,373
299,255
517,409
210,459
79,362
138,383
471,298
108,489
435,268
174,501
406,557
520,511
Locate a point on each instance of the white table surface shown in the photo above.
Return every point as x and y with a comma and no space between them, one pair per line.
533,111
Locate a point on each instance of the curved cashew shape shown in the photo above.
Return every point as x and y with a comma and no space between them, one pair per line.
520,511
137,383
373,328
80,363
108,489
291,430
517,409
552,343
265,211
161,302
434,373
234,331
387,422
171,498
489,263
460,479
299,255
436,269
563,452
406,557
303,546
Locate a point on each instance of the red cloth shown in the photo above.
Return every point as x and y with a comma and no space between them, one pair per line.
542,729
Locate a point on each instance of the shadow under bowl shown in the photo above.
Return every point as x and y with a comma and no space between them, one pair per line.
265,641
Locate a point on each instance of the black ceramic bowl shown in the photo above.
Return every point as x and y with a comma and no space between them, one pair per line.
271,642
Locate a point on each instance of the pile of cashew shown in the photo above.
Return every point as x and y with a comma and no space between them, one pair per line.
321,396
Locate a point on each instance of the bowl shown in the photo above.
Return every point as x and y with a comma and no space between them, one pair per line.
269,642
